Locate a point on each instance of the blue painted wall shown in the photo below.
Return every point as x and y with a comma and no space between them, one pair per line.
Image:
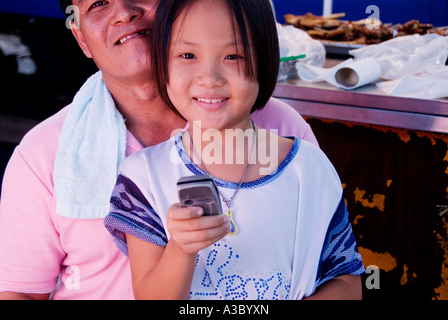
395,11
37,8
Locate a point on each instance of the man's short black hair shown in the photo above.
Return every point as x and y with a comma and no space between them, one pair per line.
64,4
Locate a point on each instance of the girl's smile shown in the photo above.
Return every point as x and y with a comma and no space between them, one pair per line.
211,104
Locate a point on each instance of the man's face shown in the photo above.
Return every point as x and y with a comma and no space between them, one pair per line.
115,33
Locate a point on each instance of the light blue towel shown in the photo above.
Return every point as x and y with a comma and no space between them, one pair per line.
91,147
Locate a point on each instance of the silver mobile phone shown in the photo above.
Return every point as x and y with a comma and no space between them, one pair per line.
199,191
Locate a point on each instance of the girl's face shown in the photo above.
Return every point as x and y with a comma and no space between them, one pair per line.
207,68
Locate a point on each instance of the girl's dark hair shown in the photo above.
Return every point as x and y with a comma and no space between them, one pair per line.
254,18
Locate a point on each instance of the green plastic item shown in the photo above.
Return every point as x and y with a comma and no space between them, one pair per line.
291,58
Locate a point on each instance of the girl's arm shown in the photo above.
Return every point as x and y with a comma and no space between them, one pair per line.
159,272
166,272
346,287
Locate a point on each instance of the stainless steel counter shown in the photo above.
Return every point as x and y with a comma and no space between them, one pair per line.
368,105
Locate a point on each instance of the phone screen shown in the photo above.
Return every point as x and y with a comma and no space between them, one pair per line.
200,191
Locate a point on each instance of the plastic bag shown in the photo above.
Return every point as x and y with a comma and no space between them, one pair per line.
406,55
296,42
429,85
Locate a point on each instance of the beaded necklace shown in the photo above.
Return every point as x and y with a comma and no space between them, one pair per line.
228,202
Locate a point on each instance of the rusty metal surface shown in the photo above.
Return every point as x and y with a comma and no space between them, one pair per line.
395,186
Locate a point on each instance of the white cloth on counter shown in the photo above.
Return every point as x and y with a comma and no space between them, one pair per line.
409,66
406,55
429,85
415,64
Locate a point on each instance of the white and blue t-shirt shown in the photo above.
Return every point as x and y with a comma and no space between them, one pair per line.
294,228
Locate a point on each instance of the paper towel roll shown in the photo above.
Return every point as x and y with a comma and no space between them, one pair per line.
358,73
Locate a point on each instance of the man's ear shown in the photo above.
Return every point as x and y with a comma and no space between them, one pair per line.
80,39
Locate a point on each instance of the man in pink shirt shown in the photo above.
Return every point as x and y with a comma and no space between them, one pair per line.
44,253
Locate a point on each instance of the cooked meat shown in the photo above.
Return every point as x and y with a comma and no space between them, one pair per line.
333,29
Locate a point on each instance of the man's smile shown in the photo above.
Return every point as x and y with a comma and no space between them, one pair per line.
129,36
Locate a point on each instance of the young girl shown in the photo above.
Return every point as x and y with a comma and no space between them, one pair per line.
286,234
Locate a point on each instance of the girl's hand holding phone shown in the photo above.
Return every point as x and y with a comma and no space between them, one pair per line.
192,231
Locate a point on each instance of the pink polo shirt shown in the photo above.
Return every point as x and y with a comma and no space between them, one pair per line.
42,252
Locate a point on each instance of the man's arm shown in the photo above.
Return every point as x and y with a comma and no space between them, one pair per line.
281,116
23,296
346,287
30,253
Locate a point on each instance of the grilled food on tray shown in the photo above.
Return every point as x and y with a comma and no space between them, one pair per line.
332,28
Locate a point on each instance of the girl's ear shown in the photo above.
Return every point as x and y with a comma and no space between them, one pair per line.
80,39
